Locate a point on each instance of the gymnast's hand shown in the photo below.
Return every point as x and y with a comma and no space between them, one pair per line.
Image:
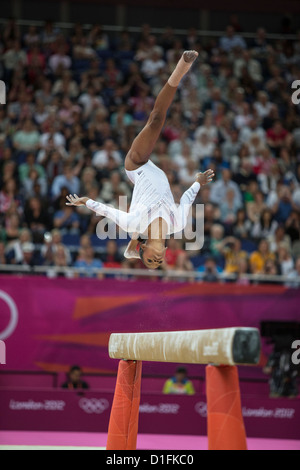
76,201
205,178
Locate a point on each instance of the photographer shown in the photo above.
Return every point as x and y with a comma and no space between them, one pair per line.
283,373
210,272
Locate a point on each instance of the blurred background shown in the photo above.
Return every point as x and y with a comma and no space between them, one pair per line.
80,82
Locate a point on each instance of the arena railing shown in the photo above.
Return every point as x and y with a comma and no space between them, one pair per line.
137,29
123,273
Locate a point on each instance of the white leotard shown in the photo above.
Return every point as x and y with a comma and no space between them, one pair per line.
152,198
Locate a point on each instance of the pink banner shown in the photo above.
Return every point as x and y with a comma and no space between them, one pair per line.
52,324
51,410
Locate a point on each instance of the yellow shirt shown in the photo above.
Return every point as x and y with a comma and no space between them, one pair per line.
232,259
173,387
257,261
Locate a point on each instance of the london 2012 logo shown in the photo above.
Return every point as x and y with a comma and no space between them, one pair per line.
94,405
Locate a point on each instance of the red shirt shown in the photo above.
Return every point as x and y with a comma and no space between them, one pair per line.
277,137
171,256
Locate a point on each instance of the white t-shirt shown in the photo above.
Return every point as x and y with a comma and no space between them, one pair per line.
152,198
100,158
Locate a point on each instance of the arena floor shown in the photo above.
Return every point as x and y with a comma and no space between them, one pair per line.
22,440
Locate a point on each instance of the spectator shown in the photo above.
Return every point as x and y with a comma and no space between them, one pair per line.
52,138
252,66
176,258
292,226
89,265
203,148
210,272
74,380
29,257
51,244
216,237
284,206
49,34
179,384
14,57
278,137
36,63
231,40
108,157
67,180
153,65
66,220
266,226
60,61
98,38
31,36
3,258
186,174
90,101
262,106
24,168
229,208
293,277
252,129
181,159
36,218
278,237
27,139
112,257
259,258
208,128
271,268
11,230
242,271
83,51
232,252
242,227
285,259
114,185
232,145
8,195
256,207
220,188
59,267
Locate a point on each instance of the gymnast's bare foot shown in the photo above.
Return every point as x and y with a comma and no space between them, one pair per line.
190,56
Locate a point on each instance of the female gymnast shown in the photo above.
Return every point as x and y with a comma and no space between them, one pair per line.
153,214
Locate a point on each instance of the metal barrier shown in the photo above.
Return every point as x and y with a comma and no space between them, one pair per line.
124,273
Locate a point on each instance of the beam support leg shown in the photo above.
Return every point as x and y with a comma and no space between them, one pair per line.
225,423
124,417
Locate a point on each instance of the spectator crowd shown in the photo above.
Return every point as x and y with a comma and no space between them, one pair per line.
74,103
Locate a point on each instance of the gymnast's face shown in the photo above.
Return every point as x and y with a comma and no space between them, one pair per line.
152,255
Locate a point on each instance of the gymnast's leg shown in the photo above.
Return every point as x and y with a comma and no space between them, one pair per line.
143,144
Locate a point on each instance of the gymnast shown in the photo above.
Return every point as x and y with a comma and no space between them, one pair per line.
153,214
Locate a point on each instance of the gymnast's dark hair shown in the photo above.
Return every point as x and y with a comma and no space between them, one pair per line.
141,251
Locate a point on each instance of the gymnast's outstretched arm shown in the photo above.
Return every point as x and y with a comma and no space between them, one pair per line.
124,220
189,197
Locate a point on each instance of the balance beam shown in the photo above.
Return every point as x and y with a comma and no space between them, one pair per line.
224,346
